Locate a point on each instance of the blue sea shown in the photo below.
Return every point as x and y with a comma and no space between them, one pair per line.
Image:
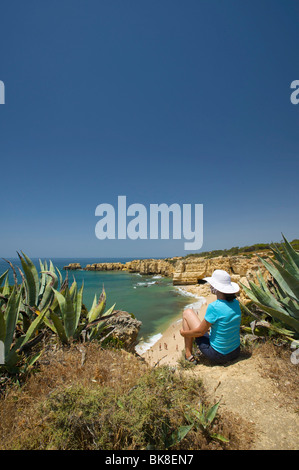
152,299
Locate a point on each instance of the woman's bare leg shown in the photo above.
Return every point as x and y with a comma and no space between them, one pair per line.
190,322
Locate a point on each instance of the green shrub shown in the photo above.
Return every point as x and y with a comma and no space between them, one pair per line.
146,416
279,298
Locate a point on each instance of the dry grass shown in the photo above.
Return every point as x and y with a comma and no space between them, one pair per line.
60,368
275,364
83,397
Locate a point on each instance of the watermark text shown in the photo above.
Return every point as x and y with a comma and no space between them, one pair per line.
2,360
2,92
295,94
136,222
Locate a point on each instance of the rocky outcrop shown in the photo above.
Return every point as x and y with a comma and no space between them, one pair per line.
142,266
105,267
187,271
124,330
73,266
193,270
151,266
190,272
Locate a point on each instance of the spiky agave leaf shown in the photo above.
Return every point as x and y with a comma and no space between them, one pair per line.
67,312
98,325
270,305
58,327
11,317
46,320
108,312
3,276
13,357
74,290
37,322
5,291
211,413
43,278
47,294
6,288
285,279
280,315
2,327
277,253
13,270
78,306
13,354
97,309
261,280
32,279
60,276
256,294
65,283
293,255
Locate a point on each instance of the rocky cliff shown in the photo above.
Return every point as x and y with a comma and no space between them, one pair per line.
105,267
193,270
187,271
151,266
124,330
73,266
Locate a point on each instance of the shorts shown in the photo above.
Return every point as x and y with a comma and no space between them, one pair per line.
203,343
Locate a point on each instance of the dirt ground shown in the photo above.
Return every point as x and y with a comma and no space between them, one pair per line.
260,388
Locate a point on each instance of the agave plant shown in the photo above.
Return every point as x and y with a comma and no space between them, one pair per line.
18,324
62,309
15,341
67,320
203,419
40,302
38,290
279,298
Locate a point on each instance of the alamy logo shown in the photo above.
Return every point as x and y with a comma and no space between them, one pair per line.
2,359
158,220
295,94
2,92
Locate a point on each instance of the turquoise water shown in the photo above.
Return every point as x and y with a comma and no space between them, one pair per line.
152,299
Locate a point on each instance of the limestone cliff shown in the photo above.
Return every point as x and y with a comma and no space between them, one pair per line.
105,267
142,266
151,266
187,271
193,270
73,266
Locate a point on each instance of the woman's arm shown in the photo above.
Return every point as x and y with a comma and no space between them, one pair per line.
201,330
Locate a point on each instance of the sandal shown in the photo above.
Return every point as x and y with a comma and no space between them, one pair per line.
191,359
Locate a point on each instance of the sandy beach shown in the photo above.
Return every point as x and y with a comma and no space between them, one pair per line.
168,349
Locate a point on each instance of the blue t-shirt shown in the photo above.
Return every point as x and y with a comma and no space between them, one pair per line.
225,319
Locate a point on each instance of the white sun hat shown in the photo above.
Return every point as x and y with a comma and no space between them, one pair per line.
221,281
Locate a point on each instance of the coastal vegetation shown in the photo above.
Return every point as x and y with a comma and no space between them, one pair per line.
247,250
279,297
64,385
40,303
112,401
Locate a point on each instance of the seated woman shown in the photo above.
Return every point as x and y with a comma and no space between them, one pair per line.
222,318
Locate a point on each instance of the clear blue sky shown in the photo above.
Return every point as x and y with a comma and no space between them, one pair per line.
160,100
